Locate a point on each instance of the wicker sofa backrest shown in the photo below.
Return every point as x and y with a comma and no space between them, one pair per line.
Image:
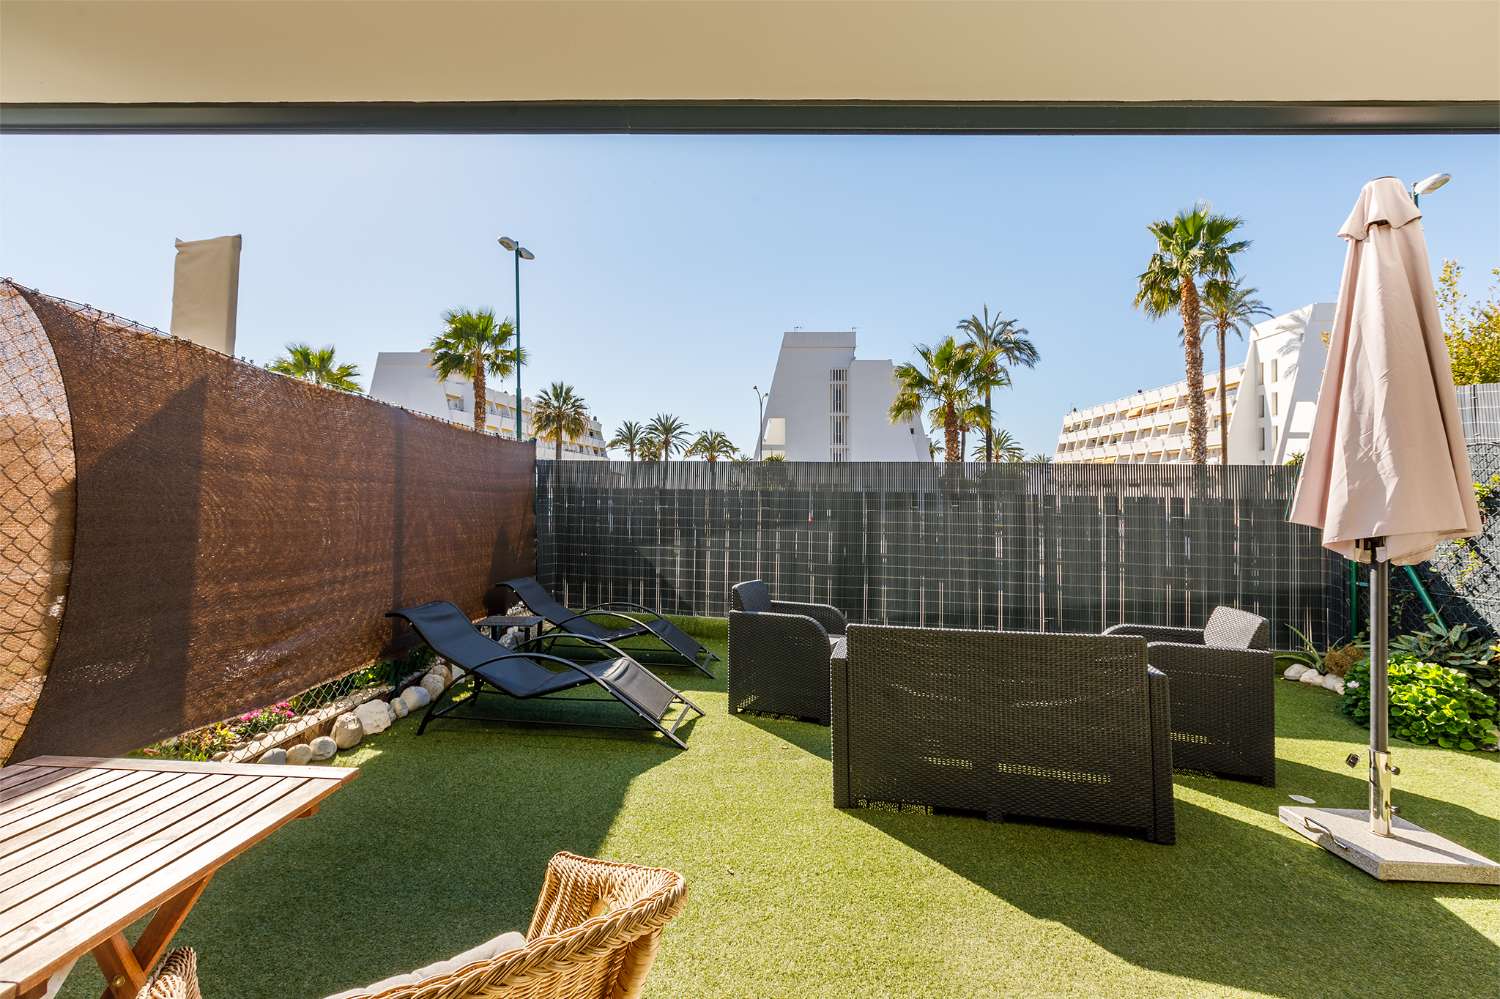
1059,726
1236,629
752,596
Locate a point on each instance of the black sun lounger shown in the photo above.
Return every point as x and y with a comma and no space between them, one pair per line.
525,673
642,622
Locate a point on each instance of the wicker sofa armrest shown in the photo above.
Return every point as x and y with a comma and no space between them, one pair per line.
1223,708
831,618
1164,807
778,664
1158,633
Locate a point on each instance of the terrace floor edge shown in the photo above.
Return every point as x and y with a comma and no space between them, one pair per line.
763,117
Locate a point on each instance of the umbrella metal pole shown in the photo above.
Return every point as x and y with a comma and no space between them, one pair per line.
1380,711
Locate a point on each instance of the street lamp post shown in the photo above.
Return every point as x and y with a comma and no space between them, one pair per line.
1427,185
760,419
521,253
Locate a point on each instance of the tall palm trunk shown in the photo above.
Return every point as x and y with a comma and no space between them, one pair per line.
989,428
1192,350
953,450
631,451
559,445
479,399
1223,404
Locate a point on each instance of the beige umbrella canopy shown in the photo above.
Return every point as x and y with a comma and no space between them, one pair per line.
1386,475
1387,456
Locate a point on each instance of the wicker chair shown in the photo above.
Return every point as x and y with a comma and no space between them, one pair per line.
1052,726
778,653
594,934
177,978
1223,692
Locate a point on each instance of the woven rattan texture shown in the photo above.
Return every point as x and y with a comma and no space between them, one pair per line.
1072,548
594,935
239,535
1059,727
36,500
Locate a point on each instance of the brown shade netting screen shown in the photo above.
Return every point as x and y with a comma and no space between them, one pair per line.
236,535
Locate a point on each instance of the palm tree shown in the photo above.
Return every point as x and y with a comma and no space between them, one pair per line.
1006,447
776,456
999,344
472,345
1040,459
1229,306
629,435
711,445
669,433
941,378
649,450
316,365
1193,245
559,412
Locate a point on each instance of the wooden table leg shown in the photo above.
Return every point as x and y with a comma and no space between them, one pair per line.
125,968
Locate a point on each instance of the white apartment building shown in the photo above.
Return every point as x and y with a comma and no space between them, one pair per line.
825,405
1272,398
406,378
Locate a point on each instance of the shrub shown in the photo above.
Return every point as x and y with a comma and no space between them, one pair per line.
1459,647
1429,704
1338,660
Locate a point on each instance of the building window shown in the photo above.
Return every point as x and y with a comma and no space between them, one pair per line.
1275,403
455,404
1273,369
838,414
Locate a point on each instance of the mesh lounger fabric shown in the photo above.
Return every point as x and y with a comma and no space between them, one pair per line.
644,622
525,674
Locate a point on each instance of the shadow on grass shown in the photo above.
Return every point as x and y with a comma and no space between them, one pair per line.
806,736
1233,903
440,844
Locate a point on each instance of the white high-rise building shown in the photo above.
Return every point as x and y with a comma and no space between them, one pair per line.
825,405
1272,398
406,378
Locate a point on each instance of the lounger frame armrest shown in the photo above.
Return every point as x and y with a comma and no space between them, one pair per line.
1158,633
831,618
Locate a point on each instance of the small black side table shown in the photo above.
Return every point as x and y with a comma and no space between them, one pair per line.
496,624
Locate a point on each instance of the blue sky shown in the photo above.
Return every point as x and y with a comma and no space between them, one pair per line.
668,267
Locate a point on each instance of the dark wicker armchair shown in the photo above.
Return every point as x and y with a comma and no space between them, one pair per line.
1053,726
1223,692
778,653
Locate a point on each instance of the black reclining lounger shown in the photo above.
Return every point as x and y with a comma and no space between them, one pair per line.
523,673
582,623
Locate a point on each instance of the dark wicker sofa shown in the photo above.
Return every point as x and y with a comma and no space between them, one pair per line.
1061,727
778,653
1223,692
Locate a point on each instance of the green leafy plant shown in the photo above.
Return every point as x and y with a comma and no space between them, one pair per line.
1308,655
1459,647
1429,704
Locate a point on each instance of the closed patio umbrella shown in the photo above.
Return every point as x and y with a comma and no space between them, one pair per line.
1386,474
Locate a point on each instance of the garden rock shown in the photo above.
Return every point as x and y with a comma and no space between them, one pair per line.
1295,671
347,731
440,668
299,755
416,697
399,708
273,756
323,748
1312,676
434,684
374,717
1334,683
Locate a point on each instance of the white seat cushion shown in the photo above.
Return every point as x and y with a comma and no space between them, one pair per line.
490,948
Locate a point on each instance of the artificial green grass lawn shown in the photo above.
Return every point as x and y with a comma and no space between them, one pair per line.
442,840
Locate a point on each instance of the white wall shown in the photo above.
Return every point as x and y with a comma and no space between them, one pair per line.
872,387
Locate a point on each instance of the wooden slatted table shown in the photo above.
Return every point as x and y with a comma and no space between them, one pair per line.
88,846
